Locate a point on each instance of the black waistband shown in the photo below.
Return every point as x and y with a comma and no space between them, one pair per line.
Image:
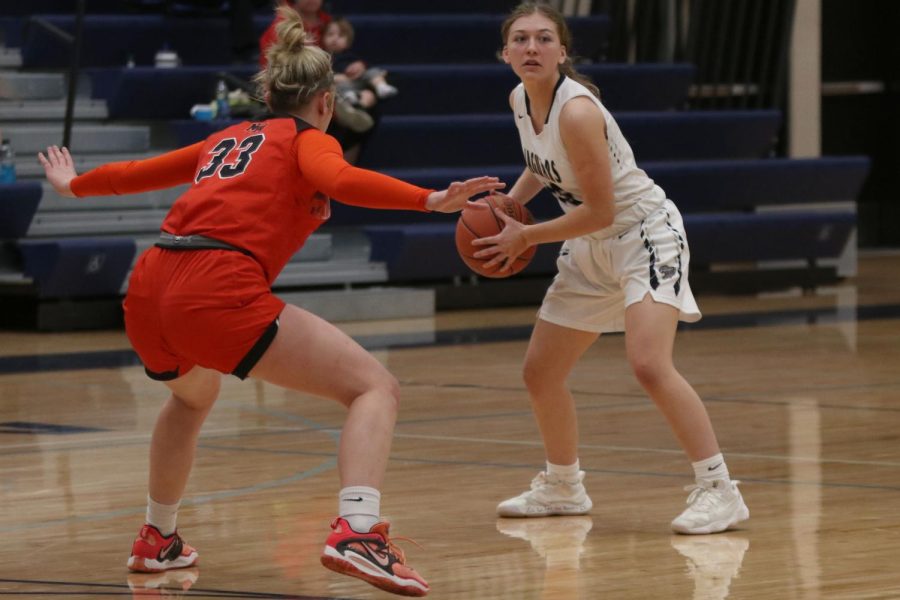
194,242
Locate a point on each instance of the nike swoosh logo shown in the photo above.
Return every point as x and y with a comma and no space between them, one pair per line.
714,468
521,116
353,499
380,557
166,553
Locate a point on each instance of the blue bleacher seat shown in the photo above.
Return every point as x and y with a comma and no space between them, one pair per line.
18,203
151,93
77,267
768,236
345,7
465,140
713,238
467,38
380,39
695,186
402,248
455,89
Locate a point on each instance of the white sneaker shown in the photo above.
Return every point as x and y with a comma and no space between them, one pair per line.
712,506
548,497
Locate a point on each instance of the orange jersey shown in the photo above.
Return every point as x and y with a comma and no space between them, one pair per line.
263,187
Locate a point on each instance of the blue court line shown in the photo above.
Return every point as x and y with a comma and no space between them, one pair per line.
127,358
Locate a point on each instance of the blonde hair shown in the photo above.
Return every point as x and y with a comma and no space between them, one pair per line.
567,68
295,71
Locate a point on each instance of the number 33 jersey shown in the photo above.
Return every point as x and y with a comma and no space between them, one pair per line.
636,196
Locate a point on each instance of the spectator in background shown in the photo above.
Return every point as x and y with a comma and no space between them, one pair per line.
359,88
314,21
358,82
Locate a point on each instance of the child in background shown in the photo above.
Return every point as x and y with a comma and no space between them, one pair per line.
358,83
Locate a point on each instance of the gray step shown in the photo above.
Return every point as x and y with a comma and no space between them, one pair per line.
30,139
51,110
28,167
366,304
95,223
315,257
10,58
31,86
332,272
158,199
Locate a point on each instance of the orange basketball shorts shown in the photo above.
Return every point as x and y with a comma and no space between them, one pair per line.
212,308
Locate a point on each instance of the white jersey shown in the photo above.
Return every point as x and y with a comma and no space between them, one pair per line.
636,196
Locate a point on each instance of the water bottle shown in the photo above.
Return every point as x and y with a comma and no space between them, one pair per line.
7,163
223,109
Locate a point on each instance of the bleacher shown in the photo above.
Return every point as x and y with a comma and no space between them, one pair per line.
745,209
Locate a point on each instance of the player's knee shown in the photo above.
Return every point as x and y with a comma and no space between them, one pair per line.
535,377
200,402
385,386
648,371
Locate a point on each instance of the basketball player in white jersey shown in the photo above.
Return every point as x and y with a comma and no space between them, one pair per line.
624,265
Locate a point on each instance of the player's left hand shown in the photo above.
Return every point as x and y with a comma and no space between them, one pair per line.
506,246
59,169
454,198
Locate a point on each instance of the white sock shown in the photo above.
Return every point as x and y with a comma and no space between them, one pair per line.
711,469
162,516
563,472
360,506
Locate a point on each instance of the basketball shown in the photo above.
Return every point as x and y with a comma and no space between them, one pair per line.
478,220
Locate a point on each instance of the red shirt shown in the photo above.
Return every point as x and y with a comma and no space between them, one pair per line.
313,32
261,186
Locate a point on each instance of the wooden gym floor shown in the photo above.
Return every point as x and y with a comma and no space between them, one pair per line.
804,390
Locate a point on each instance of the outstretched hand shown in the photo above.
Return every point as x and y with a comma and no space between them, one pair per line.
454,198
59,169
506,246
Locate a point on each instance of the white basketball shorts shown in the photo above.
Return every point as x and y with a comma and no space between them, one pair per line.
599,279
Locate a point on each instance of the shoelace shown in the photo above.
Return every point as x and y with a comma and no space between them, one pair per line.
701,493
397,550
540,480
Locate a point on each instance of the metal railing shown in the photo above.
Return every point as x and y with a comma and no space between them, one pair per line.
74,42
740,47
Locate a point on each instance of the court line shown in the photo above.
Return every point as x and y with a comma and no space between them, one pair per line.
529,466
453,337
126,589
538,443
133,440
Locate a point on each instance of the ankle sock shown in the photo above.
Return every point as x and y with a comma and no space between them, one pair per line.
360,506
563,472
711,469
162,516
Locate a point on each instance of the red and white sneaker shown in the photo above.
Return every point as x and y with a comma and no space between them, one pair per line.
371,557
152,553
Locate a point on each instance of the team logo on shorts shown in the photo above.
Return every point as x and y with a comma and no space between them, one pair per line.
667,271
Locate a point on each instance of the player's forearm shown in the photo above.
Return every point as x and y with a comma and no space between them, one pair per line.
580,221
130,177
526,187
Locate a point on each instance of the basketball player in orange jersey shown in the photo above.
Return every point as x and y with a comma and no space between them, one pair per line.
624,265
199,303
